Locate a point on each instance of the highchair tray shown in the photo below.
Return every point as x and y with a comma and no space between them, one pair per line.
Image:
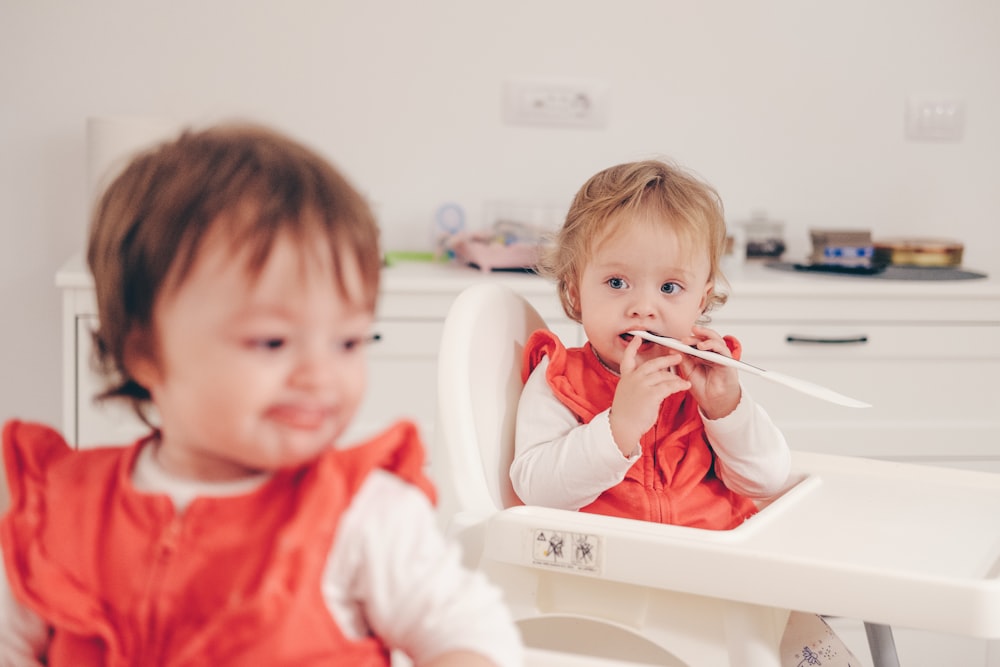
895,543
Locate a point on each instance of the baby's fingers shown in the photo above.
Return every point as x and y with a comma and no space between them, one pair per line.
709,340
675,384
628,363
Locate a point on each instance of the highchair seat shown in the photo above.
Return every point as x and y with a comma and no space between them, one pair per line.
891,543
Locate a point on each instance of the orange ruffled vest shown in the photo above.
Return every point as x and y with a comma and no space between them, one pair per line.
674,479
122,579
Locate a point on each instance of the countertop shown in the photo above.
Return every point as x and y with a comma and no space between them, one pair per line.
751,279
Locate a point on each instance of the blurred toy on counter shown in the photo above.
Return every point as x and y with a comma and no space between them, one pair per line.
507,246
841,251
512,240
734,255
842,247
449,220
765,237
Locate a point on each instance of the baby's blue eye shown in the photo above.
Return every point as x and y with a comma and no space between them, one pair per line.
670,288
616,283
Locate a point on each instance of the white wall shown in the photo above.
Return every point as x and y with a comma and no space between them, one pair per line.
795,106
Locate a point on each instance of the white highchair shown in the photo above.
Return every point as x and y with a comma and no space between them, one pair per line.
895,544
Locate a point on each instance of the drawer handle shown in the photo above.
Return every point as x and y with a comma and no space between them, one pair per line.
823,340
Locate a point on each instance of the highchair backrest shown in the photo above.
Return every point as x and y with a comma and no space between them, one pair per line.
479,384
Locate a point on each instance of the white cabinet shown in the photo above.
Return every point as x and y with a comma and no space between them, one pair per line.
926,355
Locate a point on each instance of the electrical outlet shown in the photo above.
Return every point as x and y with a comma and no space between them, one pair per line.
934,118
555,103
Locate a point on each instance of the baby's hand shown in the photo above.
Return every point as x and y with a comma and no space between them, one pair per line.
715,388
641,390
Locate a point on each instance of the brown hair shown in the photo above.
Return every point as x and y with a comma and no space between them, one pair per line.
148,226
617,197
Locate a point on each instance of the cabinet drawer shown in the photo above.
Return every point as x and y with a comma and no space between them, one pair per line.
925,383
861,342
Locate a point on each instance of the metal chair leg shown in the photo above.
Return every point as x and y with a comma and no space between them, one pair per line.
882,645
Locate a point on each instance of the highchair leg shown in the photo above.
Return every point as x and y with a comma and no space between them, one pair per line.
753,635
882,645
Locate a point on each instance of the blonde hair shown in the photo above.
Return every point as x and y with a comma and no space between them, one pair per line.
253,183
617,197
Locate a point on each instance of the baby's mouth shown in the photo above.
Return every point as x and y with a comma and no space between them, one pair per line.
628,336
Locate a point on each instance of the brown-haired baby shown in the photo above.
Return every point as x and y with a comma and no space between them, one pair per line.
236,274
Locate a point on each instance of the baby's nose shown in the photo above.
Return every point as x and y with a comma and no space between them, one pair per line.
642,306
314,370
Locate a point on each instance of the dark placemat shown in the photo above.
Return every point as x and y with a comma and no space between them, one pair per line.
890,272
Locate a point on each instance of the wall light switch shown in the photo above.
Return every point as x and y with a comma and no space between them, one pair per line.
934,118
555,102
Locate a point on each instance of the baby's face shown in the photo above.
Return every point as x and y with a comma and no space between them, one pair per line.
254,374
642,278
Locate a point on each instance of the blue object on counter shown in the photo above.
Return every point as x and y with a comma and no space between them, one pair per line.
450,218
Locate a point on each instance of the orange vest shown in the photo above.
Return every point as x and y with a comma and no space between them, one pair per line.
674,479
122,579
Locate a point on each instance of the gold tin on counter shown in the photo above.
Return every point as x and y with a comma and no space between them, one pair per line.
918,252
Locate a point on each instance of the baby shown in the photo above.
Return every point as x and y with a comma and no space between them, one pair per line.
629,428
236,274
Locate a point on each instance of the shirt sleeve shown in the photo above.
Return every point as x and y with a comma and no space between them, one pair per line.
753,456
392,573
23,634
559,462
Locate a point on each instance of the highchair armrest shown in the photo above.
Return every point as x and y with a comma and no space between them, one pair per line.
900,544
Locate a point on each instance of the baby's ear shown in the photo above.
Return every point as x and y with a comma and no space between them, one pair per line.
140,358
707,295
573,297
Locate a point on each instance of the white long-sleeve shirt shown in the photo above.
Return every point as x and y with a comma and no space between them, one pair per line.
561,463
390,572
